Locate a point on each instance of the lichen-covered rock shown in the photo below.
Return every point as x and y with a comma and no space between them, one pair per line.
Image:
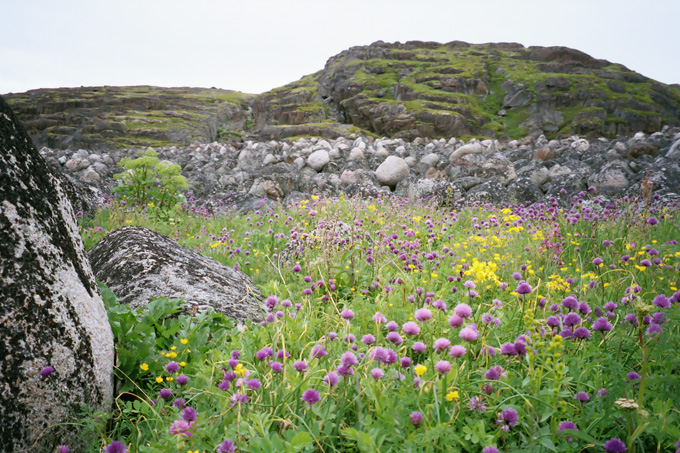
51,310
318,159
138,264
435,192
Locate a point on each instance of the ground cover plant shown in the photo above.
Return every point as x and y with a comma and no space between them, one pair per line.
393,326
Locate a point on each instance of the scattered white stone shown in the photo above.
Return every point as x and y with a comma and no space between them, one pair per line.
392,170
355,154
431,159
318,159
580,145
470,148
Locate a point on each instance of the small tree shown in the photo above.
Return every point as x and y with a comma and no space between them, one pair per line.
148,179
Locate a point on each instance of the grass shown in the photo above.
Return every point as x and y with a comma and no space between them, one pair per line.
331,269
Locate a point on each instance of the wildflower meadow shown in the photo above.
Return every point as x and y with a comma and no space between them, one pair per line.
393,326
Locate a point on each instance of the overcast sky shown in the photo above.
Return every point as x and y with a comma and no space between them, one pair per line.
256,45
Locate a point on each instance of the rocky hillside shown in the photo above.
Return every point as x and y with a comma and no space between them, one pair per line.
415,89
121,117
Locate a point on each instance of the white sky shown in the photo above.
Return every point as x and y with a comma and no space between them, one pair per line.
256,45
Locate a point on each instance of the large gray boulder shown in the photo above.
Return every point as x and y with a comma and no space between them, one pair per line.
391,171
138,264
51,310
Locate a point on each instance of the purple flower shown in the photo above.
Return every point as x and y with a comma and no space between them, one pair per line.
368,339
416,418
523,288
570,302
377,373
488,350
651,221
602,324
456,321
64,449
441,344
405,362
46,372
581,333
476,404
165,393
226,447
597,261
179,403
494,373
633,376
332,378
172,367
300,366
297,268
457,351
392,326
572,319
310,397
394,337
508,349
615,445
490,449
442,367
115,447
419,347
411,328
182,379
602,392
507,419
238,398
347,313
348,359
189,414
264,353
463,310
181,427
469,333
318,351
423,314
379,318
662,301
254,384
567,425
582,397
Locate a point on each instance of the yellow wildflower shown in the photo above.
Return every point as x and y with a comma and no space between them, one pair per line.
420,369
159,380
452,395
144,366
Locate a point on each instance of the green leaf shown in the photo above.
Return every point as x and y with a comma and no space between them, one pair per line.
301,440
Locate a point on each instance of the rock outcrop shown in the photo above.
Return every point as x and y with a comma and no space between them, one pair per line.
138,264
51,310
398,90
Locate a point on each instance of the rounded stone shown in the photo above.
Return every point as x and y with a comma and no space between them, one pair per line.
392,170
318,159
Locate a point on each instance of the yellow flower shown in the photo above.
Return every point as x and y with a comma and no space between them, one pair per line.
169,378
159,380
144,366
420,369
172,348
240,370
171,355
452,395
184,341
182,364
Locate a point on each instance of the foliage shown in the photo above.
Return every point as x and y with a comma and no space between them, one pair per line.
149,180
579,303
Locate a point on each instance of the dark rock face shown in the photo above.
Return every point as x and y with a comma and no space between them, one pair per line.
138,264
51,310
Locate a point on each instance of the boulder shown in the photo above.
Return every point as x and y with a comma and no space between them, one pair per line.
391,171
318,159
435,192
523,190
487,192
52,312
138,264
611,180
470,148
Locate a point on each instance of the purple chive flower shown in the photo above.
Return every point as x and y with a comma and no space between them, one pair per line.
443,367
419,347
582,397
172,367
662,301
182,379
469,284
507,419
165,393
490,449
602,392
469,333
226,447
189,414
254,384
115,447
411,328
457,351
494,373
615,445
441,344
46,372
416,418
581,333
181,427
567,425
379,318
392,326
508,349
517,276
633,376
570,302
310,396
297,268
597,261
277,367
572,319
64,449
488,350
238,398
318,351
602,324
300,366
523,288
476,404
405,362
394,337
377,373
456,321
423,314
368,339
332,378
349,359
651,221
264,353
347,313
179,403
463,310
